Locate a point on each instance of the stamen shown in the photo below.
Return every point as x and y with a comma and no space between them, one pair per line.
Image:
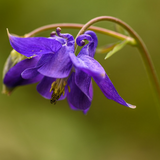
58,88
63,92
52,85
69,89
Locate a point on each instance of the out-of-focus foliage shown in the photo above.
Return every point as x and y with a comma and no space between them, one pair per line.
31,128
111,48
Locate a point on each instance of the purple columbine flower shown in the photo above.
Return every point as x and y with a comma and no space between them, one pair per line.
62,73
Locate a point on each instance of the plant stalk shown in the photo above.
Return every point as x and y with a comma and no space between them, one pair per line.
134,40
79,26
141,47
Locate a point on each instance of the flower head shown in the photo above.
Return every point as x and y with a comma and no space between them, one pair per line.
61,73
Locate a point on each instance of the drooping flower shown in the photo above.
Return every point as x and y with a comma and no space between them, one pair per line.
66,75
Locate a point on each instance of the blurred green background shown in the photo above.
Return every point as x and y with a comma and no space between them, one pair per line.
33,129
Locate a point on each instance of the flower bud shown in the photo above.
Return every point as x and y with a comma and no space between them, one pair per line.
11,61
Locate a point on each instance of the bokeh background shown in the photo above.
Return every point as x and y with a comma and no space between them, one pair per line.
33,129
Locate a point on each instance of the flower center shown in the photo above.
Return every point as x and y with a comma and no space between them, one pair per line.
58,88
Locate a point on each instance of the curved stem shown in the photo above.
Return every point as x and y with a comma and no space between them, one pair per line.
140,45
136,41
79,26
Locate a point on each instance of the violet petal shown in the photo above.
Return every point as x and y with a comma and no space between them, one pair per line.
110,92
34,45
83,81
58,66
76,97
88,65
44,87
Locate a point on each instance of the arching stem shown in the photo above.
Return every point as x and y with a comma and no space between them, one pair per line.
134,40
141,47
79,26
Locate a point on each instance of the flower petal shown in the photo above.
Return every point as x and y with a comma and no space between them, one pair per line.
62,97
13,76
32,72
110,92
57,65
44,87
83,81
90,94
76,97
71,106
88,65
34,45
29,73
95,40
85,111
90,48
35,79
59,39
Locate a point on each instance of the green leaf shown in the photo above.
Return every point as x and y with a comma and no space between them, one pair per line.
105,49
118,47
121,30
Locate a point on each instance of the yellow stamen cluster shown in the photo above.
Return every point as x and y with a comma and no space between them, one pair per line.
58,88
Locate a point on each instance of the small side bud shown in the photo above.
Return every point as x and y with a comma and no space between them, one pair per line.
11,61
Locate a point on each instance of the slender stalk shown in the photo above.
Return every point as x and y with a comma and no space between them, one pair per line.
134,40
79,26
140,45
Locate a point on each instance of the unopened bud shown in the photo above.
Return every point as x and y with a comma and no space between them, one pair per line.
11,61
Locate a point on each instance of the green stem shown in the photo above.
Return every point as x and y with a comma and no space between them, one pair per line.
140,45
136,41
79,26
